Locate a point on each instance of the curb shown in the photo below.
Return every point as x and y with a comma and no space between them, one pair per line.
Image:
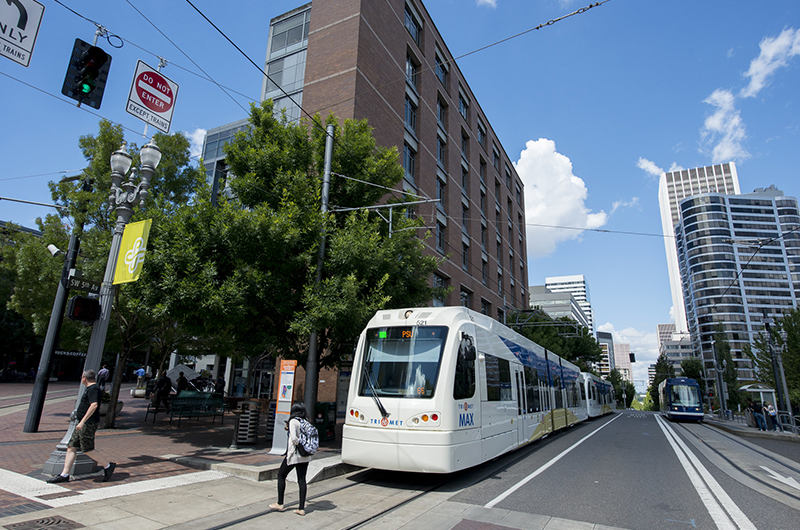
753,434
319,470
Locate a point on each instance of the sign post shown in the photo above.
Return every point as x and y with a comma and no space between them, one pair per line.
20,21
152,97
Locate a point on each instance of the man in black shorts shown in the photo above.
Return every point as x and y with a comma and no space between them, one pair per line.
83,435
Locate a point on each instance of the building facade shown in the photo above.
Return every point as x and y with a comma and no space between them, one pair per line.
622,361
739,260
677,346
673,187
577,286
606,341
386,62
557,305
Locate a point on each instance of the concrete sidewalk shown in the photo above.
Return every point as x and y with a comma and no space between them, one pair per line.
144,452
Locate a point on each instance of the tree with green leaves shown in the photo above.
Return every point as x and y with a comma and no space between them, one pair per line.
786,341
692,368
730,373
242,274
664,370
582,350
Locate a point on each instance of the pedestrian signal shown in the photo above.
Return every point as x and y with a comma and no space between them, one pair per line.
83,309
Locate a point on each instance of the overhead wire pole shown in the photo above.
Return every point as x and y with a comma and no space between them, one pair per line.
310,394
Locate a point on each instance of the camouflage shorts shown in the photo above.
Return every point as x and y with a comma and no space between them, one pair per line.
83,438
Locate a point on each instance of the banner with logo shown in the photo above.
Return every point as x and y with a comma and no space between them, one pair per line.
131,252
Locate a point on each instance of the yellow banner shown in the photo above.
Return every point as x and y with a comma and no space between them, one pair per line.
131,252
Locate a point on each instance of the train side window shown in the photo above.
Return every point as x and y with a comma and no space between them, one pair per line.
559,401
464,384
498,379
532,389
583,392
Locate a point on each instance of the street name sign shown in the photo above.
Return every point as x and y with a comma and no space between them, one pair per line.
81,284
20,21
152,97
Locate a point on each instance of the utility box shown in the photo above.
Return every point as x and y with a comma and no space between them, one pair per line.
325,421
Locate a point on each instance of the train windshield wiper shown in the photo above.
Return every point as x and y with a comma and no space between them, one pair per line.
384,412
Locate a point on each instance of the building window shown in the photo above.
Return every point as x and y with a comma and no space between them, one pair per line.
497,194
464,146
413,26
463,107
519,195
481,134
508,178
465,218
409,162
482,171
440,236
483,237
441,70
466,299
441,114
483,204
495,158
465,181
486,307
465,256
484,272
438,283
441,151
500,282
441,194
499,255
412,72
411,115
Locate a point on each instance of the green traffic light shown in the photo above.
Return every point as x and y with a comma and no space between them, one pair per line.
86,86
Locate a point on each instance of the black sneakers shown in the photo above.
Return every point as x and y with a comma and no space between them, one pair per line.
58,479
108,471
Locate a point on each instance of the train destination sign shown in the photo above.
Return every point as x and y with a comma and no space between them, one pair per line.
152,97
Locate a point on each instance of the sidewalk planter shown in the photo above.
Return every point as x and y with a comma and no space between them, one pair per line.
104,408
138,392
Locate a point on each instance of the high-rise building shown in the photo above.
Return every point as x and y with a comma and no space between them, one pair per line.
214,154
387,63
673,187
622,361
576,285
676,346
739,259
557,305
606,341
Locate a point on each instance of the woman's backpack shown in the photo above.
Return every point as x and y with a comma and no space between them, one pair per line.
308,442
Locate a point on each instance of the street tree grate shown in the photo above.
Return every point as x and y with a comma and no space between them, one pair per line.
48,523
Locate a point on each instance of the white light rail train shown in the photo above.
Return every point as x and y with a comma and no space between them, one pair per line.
440,389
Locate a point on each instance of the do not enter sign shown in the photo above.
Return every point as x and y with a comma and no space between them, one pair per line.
152,97
154,91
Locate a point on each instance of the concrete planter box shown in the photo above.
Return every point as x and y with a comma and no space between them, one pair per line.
104,408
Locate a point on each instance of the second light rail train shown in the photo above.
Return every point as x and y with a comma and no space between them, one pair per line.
443,389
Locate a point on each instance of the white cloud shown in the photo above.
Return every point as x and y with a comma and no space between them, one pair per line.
724,128
676,167
643,343
489,3
775,53
649,166
196,138
553,197
624,204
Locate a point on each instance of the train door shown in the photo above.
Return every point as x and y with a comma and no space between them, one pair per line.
519,378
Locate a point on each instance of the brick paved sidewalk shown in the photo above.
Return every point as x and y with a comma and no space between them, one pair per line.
143,451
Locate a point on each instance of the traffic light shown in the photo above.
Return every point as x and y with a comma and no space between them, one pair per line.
83,309
87,74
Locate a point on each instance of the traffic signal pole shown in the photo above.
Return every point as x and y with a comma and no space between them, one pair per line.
51,339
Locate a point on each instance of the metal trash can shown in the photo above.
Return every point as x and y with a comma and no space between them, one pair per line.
248,422
325,421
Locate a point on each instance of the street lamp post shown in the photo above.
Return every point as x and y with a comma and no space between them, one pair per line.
123,196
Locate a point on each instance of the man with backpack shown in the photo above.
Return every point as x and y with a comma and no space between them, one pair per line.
303,442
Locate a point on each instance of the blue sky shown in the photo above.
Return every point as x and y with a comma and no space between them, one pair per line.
592,108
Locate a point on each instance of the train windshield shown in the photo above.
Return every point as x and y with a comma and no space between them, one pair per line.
402,361
685,395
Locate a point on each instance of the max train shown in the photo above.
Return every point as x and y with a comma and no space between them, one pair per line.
443,389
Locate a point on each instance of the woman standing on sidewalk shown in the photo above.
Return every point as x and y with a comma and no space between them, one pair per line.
293,460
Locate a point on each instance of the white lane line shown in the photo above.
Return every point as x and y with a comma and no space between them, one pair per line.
492,503
33,489
706,484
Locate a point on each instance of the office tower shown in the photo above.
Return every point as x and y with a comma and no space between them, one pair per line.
214,155
622,361
676,346
386,62
557,305
578,287
673,187
606,341
739,259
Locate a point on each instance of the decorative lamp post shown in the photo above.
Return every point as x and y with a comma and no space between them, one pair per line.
122,198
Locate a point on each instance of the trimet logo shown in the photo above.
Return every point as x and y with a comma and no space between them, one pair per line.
386,422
